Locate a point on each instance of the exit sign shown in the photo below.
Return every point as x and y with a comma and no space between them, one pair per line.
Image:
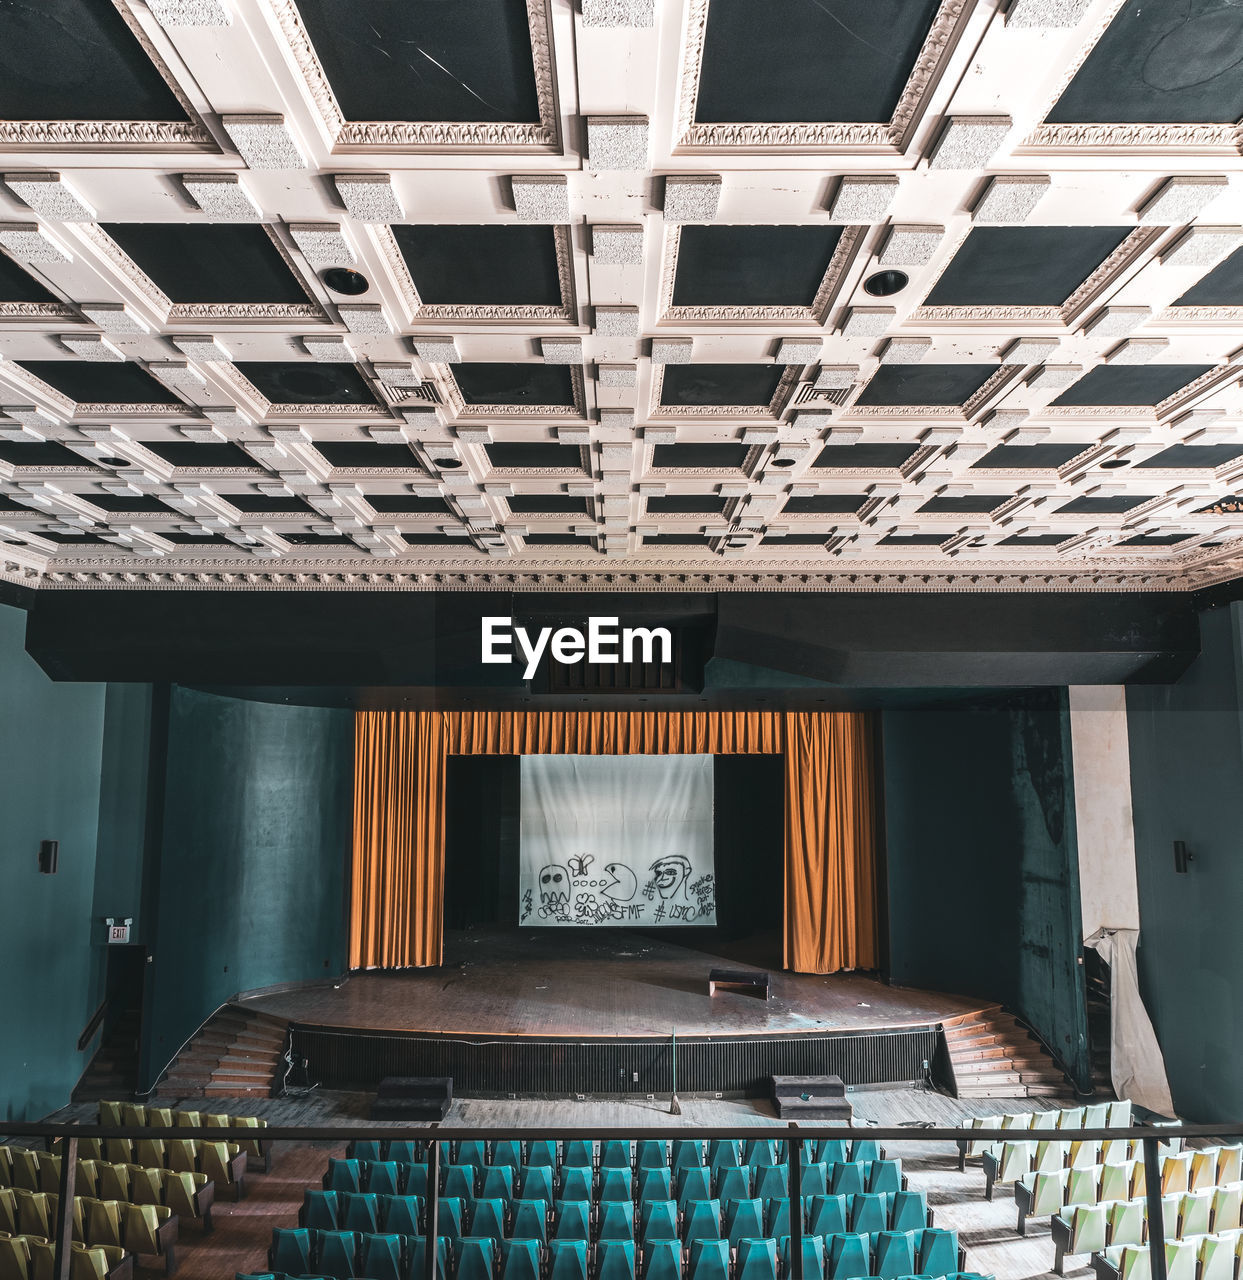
118,932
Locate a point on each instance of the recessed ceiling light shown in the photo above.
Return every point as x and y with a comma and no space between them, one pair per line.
782,462
346,280
447,464
1112,464
112,462
883,283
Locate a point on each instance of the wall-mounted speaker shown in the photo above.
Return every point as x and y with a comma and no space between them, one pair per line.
49,855
1182,857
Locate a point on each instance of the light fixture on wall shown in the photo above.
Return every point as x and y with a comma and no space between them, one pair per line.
1183,857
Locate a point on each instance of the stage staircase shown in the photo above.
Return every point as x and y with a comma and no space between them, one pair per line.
236,1053
994,1056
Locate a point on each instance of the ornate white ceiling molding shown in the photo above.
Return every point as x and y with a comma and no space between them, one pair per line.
443,373
416,309
718,412
843,255
409,135
888,138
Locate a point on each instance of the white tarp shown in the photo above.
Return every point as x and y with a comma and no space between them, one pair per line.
616,841
1108,889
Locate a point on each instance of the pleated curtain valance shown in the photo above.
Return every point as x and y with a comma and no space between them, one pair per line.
397,902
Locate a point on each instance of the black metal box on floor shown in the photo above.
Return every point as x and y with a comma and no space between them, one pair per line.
413,1098
811,1098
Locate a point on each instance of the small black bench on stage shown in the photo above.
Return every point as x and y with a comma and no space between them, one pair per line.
413,1098
749,982
825,1098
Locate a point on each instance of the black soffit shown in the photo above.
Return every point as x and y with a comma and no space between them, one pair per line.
789,61
77,60
407,504
1165,63
1023,266
348,454
547,504
686,504
825,504
86,382
1193,455
965,504
426,60
1131,385
44,453
1031,457
720,384
719,457
535,455
752,266
301,382
201,456
932,384
499,266
129,504
17,285
223,262
869,456
269,504
1222,287
485,383
1115,505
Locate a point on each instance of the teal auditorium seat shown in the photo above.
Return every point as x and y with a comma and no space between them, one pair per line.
616,1154
938,1252
655,1184
831,1151
709,1260
701,1220
542,1154
848,1179
498,1182
403,1150
576,1183
476,1258
658,1221
461,1180
572,1221
472,1152
757,1259
815,1179
758,1153
744,1219
895,1255
529,1220
908,1211
652,1153
343,1175
616,1220
826,1215
507,1152
401,1215
365,1149
416,1258
452,1213
336,1254
360,1211
616,1183
577,1154
535,1182
291,1250
383,1177
569,1260
520,1260
487,1218
848,1256
662,1260
732,1183
772,1181
414,1179
869,1213
615,1260
723,1153
320,1210
813,1256
694,1183
777,1217
380,1257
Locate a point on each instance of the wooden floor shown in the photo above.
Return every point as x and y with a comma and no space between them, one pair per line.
611,984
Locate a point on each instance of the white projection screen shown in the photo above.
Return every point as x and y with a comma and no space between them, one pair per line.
616,841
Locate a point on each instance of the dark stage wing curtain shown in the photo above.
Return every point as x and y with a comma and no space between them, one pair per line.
396,915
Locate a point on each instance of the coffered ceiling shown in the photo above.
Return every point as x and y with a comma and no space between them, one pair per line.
863,294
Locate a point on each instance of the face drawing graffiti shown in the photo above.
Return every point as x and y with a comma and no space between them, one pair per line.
671,875
622,884
554,887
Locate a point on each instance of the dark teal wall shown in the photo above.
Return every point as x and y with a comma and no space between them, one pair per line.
252,888
982,865
51,742
1187,784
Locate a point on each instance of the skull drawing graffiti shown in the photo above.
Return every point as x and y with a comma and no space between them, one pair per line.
554,890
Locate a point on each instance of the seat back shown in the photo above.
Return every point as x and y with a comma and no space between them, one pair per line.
401,1215
380,1257
662,1260
848,1256
140,1225
744,1220
476,1258
358,1211
709,1260
773,1181
576,1183
658,1220
701,1220
320,1210
1125,1222
617,1220
1228,1207
1089,1228
757,1259
569,1260
520,1259
732,1183
616,1154
938,1252
572,1221
290,1251
895,1254
487,1219
336,1254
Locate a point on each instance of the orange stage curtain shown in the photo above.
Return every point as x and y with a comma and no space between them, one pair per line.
830,842
396,915
397,901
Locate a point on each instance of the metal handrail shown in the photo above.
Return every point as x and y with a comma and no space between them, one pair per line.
793,1133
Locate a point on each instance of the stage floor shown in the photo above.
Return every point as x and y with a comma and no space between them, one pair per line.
619,984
